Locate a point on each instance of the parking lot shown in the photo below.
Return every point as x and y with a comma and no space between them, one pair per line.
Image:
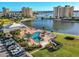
9,48
3,51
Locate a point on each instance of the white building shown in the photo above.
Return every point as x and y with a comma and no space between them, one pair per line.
13,26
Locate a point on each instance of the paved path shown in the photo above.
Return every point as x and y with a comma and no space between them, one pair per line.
36,50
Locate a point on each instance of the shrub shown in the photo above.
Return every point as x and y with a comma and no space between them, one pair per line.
48,45
23,44
30,48
69,38
19,40
16,32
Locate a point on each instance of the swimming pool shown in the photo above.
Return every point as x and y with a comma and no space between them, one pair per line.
35,36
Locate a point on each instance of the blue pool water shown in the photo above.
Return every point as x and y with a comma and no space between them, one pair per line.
35,36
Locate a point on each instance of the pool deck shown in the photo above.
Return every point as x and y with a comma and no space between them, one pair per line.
30,30
47,37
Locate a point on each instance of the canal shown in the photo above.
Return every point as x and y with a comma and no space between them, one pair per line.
57,26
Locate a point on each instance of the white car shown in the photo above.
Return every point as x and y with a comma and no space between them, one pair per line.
15,49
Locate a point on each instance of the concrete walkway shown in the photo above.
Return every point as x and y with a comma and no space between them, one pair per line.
28,54
36,50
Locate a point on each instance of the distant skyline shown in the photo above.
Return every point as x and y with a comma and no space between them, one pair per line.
36,6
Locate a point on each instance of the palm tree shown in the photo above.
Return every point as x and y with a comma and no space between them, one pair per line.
14,33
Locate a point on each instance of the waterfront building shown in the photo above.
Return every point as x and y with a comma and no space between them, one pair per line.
63,12
15,14
58,12
68,11
27,12
6,11
1,14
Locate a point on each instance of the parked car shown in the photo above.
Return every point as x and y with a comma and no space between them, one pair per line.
8,42
2,48
11,47
15,50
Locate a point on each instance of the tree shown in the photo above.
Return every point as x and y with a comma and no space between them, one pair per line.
16,32
1,31
1,24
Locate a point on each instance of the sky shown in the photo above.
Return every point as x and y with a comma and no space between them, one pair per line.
37,6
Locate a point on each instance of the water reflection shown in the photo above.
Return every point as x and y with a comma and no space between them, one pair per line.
62,27
46,24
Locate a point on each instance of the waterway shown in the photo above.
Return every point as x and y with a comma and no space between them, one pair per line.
57,26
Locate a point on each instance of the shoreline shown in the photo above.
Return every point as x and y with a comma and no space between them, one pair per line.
67,21
61,20
55,32
65,34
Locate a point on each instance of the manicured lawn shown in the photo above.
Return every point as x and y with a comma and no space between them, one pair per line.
70,48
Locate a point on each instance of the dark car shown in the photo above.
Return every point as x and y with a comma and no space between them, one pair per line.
2,48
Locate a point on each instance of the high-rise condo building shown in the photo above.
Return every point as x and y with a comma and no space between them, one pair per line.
27,12
63,12
6,11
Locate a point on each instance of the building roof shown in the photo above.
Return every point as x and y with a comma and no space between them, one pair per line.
14,26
